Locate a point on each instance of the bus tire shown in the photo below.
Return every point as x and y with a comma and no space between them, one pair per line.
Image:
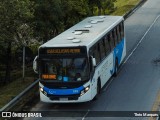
98,89
116,68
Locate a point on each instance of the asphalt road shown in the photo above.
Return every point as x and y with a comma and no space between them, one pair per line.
138,81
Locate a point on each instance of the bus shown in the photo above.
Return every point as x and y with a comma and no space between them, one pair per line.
76,64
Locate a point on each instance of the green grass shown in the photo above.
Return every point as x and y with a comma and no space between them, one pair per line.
16,86
123,6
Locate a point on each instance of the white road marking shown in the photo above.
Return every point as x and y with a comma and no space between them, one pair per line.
85,114
134,49
141,40
130,55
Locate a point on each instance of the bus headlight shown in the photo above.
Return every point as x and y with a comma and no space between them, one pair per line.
41,90
84,90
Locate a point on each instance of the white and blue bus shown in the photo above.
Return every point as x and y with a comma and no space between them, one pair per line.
75,65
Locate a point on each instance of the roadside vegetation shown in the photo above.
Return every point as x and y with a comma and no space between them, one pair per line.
123,6
30,23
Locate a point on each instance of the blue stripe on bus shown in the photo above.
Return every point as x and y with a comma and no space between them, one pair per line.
118,51
63,91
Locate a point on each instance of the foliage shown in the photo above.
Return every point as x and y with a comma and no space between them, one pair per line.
122,7
108,6
101,6
23,22
54,16
13,14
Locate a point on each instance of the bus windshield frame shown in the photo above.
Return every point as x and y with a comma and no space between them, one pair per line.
67,64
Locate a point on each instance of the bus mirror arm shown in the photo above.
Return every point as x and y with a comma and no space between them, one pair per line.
35,65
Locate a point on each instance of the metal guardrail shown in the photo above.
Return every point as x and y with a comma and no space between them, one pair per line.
21,97
26,94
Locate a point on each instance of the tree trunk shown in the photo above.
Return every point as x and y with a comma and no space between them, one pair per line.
8,63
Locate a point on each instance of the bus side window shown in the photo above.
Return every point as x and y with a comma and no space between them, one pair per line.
115,37
107,45
111,41
122,30
104,46
96,54
102,49
118,34
99,52
90,60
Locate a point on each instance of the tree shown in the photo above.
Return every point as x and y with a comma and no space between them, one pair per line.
108,5
13,14
54,16
101,5
75,11
47,18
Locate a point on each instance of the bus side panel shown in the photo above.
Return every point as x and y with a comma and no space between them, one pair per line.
94,83
106,69
120,52
103,71
124,51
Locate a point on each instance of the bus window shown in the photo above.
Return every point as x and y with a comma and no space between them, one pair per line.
91,53
115,37
96,54
111,41
118,34
99,51
102,49
104,45
122,30
107,46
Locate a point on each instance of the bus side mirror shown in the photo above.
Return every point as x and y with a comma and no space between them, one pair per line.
35,65
94,62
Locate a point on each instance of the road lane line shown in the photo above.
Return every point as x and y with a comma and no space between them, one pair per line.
134,49
129,55
157,101
141,40
85,115
156,104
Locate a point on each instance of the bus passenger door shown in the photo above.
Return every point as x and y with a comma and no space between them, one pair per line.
93,76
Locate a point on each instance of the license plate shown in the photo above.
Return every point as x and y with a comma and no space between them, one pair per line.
63,99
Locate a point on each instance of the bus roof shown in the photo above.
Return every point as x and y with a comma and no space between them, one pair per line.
84,33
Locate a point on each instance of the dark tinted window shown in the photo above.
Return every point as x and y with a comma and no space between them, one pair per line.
102,49
121,30
118,33
107,45
111,41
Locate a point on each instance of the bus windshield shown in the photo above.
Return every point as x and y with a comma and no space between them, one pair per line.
65,69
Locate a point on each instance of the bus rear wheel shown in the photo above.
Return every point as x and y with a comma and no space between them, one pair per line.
116,68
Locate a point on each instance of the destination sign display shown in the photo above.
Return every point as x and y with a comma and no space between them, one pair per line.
46,76
63,51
